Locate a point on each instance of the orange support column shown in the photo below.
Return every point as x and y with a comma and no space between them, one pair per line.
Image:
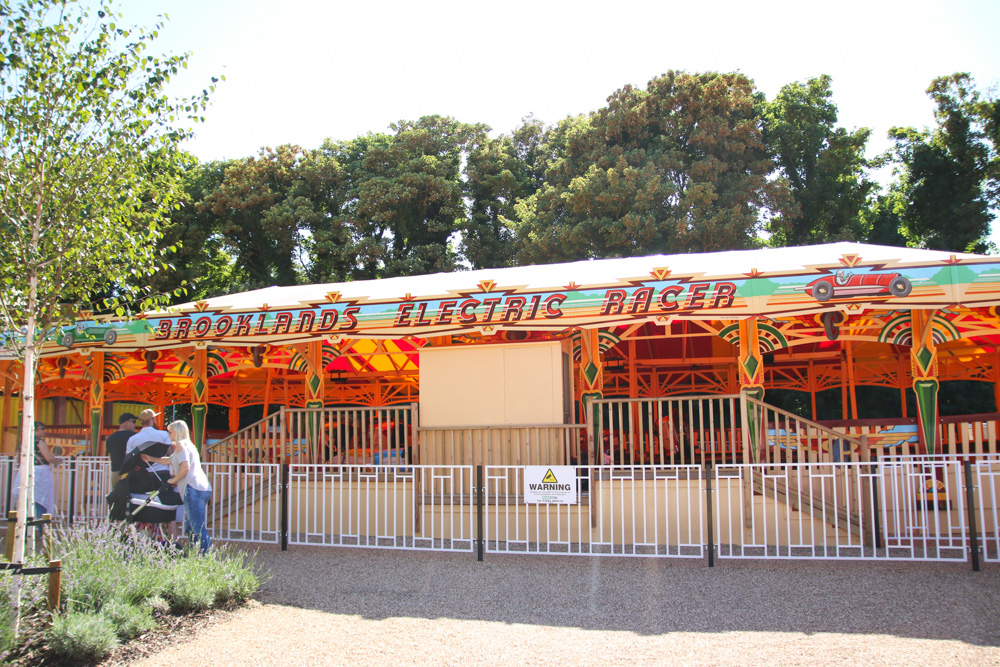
591,386
312,354
751,365
197,362
851,383
996,378
94,365
5,405
924,367
234,405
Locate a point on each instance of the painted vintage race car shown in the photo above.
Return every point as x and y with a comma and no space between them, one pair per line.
847,284
82,333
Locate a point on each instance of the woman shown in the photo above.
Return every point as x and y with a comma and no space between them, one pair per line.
192,483
45,488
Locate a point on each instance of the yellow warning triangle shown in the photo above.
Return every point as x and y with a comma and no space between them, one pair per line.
549,478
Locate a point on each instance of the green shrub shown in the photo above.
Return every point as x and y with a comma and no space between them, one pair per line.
156,604
82,636
128,620
115,581
6,634
221,576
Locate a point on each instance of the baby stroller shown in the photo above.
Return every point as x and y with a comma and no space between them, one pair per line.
142,495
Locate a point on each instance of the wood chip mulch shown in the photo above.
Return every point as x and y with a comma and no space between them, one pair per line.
172,629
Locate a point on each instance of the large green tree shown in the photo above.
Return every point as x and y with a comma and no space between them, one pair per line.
87,133
499,173
678,167
201,263
404,195
821,167
949,174
259,230
320,201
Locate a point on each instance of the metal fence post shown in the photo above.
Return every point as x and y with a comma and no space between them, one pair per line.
72,492
970,502
10,480
284,506
711,526
479,513
877,509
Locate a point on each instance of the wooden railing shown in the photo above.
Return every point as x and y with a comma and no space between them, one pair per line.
784,437
322,435
969,434
512,444
664,431
252,444
974,435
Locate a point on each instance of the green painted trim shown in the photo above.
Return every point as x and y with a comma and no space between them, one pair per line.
198,413
926,392
95,429
753,415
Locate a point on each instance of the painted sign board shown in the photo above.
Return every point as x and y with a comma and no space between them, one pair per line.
771,283
550,485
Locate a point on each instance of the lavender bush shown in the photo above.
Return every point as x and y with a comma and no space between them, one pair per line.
117,577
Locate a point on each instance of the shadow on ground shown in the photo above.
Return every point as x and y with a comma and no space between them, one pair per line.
645,596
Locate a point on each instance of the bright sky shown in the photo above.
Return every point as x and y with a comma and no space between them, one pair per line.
299,71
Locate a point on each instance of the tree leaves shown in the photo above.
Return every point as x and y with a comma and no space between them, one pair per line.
678,167
949,176
823,186
87,136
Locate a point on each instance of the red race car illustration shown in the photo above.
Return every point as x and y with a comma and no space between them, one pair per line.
846,284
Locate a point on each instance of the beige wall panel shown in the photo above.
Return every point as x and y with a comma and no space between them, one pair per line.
491,384
461,386
532,385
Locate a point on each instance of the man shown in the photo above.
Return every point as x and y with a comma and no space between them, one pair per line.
116,445
149,433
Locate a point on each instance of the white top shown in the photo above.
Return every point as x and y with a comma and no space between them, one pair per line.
148,434
195,477
587,273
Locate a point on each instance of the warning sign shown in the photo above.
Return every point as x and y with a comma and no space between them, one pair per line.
550,485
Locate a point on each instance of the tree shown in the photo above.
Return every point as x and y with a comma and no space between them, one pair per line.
262,235
949,176
883,219
88,132
677,167
403,197
500,172
201,262
822,167
320,200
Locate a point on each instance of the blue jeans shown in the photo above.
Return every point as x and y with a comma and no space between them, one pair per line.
195,503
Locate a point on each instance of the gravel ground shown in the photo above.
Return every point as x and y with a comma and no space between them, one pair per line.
359,606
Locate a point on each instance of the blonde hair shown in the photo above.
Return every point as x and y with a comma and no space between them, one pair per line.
179,432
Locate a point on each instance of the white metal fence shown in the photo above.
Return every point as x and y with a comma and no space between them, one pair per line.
986,481
322,435
245,505
81,485
397,507
616,511
914,508
665,431
893,510
246,502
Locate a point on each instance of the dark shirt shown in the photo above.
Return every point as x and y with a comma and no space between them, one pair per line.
116,447
39,459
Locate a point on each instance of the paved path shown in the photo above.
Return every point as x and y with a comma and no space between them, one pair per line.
371,607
